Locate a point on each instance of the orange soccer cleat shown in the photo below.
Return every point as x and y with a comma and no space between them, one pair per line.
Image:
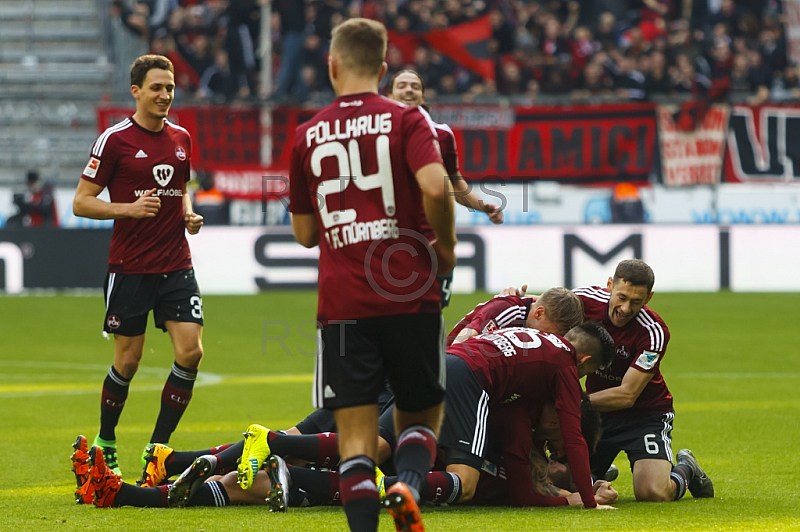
403,508
84,493
105,482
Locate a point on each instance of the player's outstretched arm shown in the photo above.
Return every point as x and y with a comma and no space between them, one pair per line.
439,210
306,230
88,205
466,197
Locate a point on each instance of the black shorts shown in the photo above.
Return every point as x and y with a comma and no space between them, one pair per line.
466,406
640,437
172,296
321,420
354,357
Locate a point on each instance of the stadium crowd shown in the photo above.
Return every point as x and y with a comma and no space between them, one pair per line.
589,49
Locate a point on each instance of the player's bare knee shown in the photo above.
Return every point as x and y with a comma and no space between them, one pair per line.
189,358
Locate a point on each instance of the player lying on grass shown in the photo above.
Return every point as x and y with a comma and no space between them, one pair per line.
280,486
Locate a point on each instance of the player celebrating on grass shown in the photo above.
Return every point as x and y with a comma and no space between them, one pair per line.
631,394
144,161
362,172
635,402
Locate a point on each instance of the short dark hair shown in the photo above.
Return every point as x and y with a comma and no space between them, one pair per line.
406,71
636,272
592,332
591,424
144,64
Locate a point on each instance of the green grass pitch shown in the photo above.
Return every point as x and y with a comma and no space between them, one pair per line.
733,366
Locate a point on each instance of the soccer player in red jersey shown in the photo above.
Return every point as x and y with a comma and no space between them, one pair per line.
516,371
144,162
407,86
554,311
631,394
361,171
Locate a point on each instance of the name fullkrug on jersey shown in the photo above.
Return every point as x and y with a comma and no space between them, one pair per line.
160,192
325,131
356,232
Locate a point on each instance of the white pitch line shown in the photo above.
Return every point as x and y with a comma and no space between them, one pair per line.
732,376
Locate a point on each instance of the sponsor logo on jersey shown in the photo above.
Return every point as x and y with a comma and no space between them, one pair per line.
622,352
113,322
140,155
91,167
163,173
514,397
180,153
160,192
647,360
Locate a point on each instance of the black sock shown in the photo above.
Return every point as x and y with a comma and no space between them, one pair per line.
321,449
681,475
210,494
178,461
115,393
174,400
359,493
320,487
130,495
226,460
413,457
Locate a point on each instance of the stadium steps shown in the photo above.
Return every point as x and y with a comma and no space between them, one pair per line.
54,70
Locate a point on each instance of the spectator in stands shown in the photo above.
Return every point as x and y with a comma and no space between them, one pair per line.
657,80
219,84
626,205
36,205
293,30
243,26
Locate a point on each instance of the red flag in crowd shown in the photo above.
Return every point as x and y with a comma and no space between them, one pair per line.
467,44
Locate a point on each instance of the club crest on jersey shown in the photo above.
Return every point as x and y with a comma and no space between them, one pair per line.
647,360
113,322
163,173
622,352
180,153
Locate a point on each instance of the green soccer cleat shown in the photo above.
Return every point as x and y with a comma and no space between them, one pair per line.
281,481
109,448
256,450
184,488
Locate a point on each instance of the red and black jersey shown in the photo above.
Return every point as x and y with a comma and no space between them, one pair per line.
641,344
498,312
522,369
129,160
353,166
